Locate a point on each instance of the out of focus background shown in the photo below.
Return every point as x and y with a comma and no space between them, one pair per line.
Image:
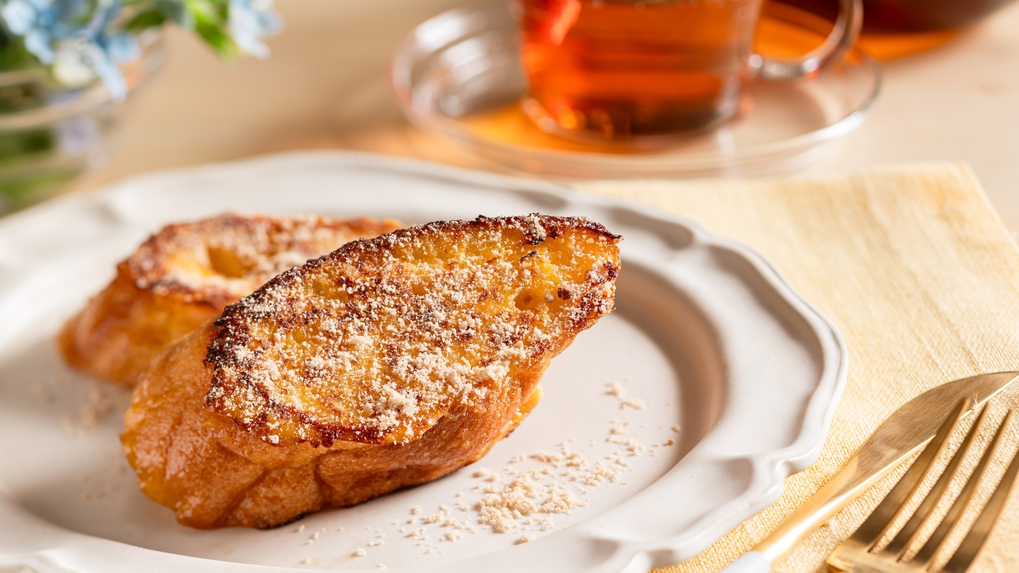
325,87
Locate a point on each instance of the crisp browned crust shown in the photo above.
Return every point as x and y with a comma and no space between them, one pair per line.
290,362
186,274
387,363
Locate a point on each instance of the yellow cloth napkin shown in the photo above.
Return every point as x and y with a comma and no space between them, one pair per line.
918,272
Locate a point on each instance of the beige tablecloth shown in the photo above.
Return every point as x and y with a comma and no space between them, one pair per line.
915,268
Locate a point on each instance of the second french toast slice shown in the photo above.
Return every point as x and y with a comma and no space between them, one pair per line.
387,363
186,274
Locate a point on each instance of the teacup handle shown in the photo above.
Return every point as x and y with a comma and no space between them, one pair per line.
842,37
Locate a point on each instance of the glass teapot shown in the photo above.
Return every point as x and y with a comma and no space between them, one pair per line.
894,28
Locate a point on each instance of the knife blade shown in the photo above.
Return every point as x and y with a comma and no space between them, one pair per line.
904,432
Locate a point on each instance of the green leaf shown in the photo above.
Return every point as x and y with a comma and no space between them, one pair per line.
17,146
177,12
147,19
13,54
210,17
216,37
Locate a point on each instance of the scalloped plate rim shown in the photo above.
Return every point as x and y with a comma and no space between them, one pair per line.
767,469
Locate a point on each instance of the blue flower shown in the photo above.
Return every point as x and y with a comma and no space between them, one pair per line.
19,16
85,39
44,22
79,45
79,61
250,21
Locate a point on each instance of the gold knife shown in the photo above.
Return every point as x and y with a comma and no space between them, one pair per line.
907,430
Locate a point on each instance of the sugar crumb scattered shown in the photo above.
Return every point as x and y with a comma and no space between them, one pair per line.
545,483
615,388
634,403
434,518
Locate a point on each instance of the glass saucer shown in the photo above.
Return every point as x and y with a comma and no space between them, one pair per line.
458,75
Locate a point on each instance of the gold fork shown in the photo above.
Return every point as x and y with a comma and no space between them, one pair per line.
858,554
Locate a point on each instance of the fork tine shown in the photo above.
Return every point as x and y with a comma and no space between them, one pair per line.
930,548
970,546
974,541
908,532
892,505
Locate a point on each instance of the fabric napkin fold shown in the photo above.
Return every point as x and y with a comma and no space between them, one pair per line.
914,266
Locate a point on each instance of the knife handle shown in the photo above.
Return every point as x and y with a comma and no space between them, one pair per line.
751,562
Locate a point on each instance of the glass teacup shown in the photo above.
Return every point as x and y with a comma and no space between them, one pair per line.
620,69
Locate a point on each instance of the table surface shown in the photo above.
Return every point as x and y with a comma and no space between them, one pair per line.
325,88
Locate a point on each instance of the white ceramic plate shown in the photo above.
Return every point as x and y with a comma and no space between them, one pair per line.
707,337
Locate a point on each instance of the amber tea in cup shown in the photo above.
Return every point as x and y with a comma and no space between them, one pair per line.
619,69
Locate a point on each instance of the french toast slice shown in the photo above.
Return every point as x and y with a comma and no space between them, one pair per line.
185,275
389,362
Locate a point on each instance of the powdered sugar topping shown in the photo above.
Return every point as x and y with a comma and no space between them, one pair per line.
379,340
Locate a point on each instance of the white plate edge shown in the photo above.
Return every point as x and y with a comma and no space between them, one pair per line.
768,469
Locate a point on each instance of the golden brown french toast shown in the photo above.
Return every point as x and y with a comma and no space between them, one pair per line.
187,274
389,362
